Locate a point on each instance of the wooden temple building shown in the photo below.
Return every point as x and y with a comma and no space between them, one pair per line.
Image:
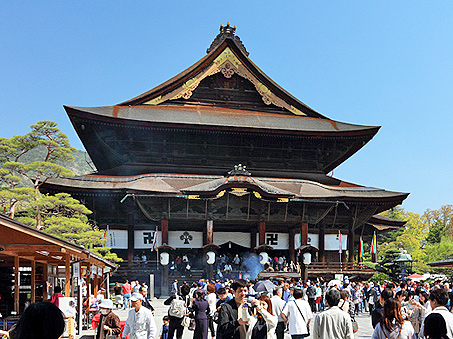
222,158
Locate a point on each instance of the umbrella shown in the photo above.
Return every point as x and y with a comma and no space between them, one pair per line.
415,276
334,282
264,286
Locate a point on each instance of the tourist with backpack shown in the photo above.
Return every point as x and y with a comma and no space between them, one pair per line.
176,313
311,295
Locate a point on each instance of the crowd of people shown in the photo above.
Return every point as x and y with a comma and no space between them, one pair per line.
266,309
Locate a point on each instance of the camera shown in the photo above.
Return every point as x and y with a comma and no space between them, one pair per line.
248,303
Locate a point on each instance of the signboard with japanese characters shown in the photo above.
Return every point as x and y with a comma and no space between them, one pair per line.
76,270
116,239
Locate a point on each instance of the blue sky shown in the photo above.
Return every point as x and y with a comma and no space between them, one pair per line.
386,63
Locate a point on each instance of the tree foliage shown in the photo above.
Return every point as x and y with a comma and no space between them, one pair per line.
427,237
60,214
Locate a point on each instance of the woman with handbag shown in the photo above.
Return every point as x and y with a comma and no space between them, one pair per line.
200,307
261,322
392,324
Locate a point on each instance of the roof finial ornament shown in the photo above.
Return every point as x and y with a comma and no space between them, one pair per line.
227,29
227,32
239,170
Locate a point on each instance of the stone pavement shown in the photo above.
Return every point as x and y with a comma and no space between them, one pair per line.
363,320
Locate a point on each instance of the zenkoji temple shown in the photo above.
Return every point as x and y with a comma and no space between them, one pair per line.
222,158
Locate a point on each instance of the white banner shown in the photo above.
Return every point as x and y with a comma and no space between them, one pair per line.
145,239
239,238
279,241
313,239
333,242
116,239
185,239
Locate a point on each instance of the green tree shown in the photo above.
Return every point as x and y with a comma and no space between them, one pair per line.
436,233
59,214
388,264
13,172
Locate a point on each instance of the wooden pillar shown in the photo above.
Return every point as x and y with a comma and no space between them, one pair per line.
88,281
209,231
304,233
130,236
107,284
95,291
33,280
292,251
209,240
262,230
45,271
253,238
322,245
16,284
67,275
343,253
304,241
164,287
351,238
164,228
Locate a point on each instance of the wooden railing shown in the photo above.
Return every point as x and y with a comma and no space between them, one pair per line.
338,266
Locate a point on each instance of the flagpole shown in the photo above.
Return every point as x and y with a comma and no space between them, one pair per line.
340,248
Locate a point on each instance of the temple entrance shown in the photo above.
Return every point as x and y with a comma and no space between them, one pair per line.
245,265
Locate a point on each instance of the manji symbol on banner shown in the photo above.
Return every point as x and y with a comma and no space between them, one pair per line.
145,239
272,239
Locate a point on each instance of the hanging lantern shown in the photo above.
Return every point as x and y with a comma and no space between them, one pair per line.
264,258
210,257
164,258
306,258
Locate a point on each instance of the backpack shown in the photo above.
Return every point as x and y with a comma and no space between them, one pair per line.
177,308
311,292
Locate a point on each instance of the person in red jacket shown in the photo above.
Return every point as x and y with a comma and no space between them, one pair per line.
54,299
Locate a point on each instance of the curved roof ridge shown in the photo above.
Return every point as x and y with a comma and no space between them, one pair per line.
201,65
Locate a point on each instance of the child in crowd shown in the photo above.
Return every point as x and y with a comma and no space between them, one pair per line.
164,330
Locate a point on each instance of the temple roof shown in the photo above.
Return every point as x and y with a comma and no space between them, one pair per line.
224,118
226,55
183,185
382,223
173,102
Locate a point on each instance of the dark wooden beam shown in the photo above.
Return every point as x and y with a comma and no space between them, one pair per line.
16,284
33,281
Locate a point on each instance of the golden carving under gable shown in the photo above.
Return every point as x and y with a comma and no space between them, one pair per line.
227,63
239,191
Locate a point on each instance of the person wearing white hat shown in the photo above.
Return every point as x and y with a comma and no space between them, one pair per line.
109,323
140,323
